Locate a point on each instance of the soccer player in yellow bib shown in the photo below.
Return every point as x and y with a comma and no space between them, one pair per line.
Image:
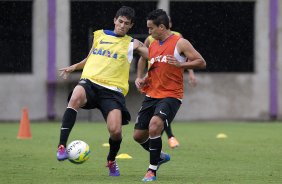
172,141
104,83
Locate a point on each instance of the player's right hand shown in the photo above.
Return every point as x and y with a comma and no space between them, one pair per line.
65,72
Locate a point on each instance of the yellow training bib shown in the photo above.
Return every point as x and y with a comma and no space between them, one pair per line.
109,63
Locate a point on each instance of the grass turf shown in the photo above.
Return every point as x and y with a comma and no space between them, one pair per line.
252,153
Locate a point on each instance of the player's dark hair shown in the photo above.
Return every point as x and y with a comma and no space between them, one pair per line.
159,17
126,11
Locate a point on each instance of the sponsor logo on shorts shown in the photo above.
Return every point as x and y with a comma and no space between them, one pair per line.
82,82
163,113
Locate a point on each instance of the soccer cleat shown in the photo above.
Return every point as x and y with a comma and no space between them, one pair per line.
173,143
149,176
62,153
113,168
164,158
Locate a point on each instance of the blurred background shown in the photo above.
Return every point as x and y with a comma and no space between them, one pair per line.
241,41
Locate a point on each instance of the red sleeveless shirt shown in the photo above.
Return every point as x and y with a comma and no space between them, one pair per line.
164,80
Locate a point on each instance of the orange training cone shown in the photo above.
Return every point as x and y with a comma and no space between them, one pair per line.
24,131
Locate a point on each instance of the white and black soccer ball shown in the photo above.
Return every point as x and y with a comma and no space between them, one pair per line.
78,151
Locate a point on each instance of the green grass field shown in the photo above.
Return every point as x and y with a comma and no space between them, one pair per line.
252,153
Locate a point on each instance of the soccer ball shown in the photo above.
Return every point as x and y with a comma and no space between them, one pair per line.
78,151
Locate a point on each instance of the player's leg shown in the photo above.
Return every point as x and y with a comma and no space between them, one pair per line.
141,128
142,137
164,113
78,99
168,132
141,131
156,127
116,114
172,141
114,125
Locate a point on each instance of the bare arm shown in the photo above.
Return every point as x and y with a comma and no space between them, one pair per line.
191,75
142,61
192,78
65,72
196,61
141,67
140,48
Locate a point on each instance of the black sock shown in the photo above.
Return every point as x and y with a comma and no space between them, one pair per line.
114,148
145,144
67,124
155,150
169,132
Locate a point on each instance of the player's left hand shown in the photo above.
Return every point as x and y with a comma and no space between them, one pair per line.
192,81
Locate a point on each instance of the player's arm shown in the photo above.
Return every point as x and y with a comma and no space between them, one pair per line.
141,67
77,66
142,61
191,75
192,78
184,47
140,72
140,48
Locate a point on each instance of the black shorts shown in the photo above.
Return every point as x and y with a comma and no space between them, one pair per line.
104,99
165,108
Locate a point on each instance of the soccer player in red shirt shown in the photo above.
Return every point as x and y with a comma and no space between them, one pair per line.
172,141
169,56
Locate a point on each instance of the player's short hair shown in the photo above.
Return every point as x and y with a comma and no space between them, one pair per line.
159,17
126,11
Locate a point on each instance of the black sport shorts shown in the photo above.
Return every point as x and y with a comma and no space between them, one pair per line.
104,99
165,108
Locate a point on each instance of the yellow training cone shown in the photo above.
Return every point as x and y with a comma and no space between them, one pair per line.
221,136
106,145
124,156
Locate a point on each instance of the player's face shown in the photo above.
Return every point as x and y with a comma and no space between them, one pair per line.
122,25
153,29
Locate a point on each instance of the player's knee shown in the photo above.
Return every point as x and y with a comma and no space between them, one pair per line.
156,127
78,97
137,138
116,136
76,101
115,133
140,137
